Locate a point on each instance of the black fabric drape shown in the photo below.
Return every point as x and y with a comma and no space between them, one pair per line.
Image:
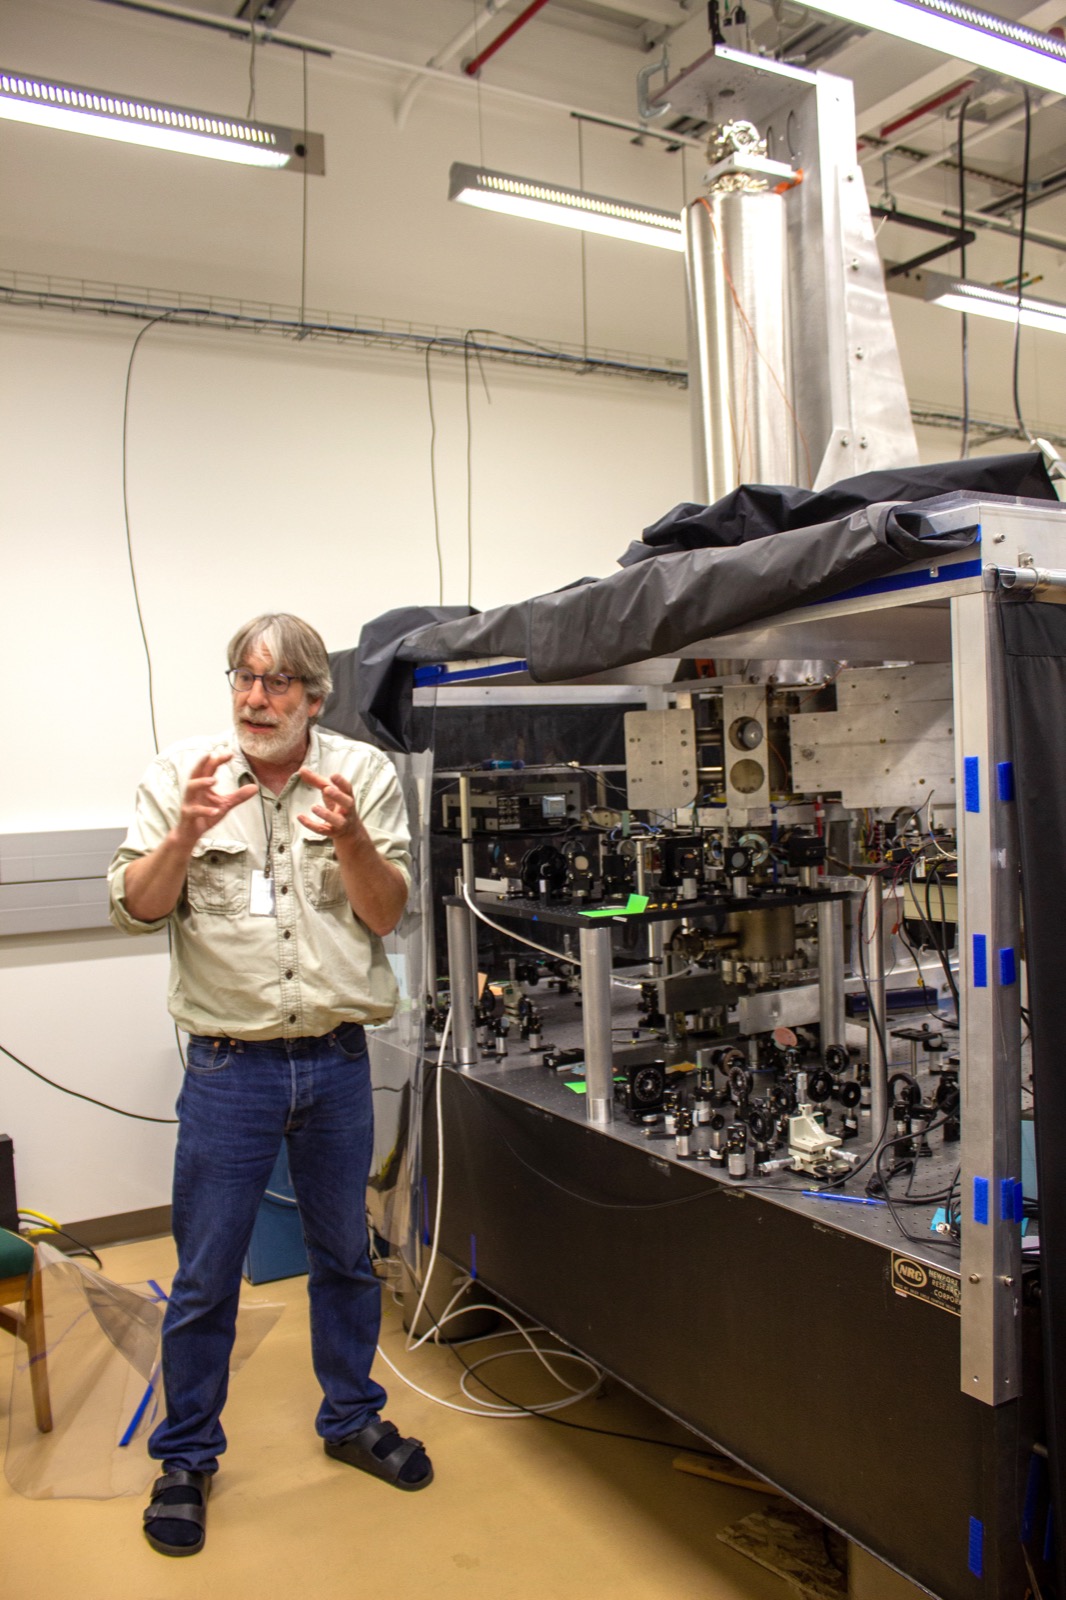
372,684
1034,637
756,510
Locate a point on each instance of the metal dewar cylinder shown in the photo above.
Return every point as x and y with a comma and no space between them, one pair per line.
768,935
736,262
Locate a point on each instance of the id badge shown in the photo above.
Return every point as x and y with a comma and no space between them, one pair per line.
261,900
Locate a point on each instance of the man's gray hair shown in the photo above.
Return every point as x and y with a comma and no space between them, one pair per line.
292,645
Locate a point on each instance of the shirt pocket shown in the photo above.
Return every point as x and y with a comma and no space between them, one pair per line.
323,883
217,878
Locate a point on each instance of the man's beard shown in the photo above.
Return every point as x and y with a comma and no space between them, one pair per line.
286,739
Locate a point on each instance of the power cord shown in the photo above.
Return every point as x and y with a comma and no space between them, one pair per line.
135,1116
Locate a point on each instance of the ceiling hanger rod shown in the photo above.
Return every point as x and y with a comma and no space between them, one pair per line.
340,52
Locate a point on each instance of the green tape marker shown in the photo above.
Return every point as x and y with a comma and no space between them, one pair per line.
578,1087
633,907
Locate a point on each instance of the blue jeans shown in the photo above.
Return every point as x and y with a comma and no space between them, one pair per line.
238,1101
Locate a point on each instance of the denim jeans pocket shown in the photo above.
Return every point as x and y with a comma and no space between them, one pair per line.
204,1056
351,1040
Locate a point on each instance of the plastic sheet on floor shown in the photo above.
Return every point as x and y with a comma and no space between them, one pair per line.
102,1343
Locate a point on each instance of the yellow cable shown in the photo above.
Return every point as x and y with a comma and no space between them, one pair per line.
24,1211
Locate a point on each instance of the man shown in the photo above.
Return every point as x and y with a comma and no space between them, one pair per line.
278,857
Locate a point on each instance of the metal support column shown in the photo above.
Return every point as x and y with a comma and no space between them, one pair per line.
831,1018
873,954
989,1016
596,1018
463,978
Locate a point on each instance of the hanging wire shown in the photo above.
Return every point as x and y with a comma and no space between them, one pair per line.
433,474
126,518
249,115
964,447
1022,222
477,82
303,227
584,259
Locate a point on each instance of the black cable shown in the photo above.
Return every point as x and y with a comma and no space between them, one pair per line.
433,474
932,937
932,875
892,1201
83,1248
581,1427
126,516
964,447
1022,222
135,1116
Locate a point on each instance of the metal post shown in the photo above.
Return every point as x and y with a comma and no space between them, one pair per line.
831,972
596,1019
466,841
989,1017
655,929
872,935
463,980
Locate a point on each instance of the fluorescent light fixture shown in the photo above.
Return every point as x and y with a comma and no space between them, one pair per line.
570,208
995,43
979,299
104,115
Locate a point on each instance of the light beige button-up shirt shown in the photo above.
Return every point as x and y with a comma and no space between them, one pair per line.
312,965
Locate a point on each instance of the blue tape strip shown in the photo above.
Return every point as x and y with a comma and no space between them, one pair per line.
1006,1199
1007,967
473,1255
159,1292
980,1200
971,782
976,1562
980,961
1005,781
135,1420
1019,1203
948,572
426,677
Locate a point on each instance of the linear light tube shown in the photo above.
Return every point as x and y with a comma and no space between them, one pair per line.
982,300
955,29
569,208
104,115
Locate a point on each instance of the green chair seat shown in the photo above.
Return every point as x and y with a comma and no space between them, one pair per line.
16,1255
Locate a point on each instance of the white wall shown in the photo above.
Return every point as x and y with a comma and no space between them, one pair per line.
265,473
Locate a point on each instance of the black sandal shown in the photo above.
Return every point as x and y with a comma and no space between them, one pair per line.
364,1450
189,1505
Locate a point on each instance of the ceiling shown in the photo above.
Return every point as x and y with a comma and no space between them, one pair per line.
908,99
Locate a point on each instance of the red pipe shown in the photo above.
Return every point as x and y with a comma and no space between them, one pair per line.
472,68
930,105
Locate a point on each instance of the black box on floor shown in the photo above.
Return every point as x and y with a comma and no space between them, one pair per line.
9,1206
277,1246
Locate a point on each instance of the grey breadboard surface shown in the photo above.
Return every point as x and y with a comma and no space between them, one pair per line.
54,881
522,1076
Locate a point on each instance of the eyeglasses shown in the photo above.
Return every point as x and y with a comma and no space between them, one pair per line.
242,681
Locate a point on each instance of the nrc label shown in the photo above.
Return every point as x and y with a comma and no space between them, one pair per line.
931,1284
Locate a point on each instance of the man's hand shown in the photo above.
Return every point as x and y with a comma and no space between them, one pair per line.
338,818
376,889
155,881
201,805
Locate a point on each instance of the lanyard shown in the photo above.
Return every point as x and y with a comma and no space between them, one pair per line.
268,830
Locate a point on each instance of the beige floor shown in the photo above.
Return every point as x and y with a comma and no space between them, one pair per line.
519,1510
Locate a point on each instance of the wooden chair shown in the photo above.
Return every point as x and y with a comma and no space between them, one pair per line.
20,1286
